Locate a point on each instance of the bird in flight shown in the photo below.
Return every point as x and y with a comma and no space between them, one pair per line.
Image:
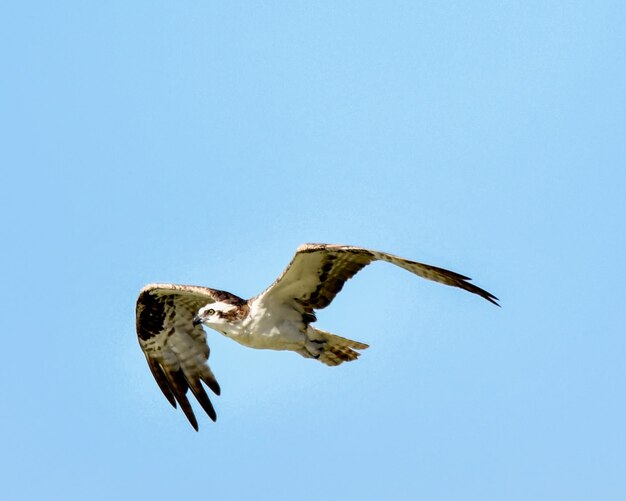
170,318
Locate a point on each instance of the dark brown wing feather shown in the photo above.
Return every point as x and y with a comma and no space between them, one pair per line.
318,272
176,350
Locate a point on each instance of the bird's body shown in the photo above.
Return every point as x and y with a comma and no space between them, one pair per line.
170,318
280,329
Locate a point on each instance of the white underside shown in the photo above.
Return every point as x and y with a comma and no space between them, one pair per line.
280,328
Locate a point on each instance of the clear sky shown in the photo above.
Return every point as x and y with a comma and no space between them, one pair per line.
202,142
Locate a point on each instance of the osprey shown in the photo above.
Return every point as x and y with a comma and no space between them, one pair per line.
170,318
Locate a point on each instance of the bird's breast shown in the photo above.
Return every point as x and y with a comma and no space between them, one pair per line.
277,328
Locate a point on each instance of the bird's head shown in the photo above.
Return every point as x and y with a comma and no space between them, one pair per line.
215,314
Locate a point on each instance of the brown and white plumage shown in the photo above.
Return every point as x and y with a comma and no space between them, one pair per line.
175,348
170,318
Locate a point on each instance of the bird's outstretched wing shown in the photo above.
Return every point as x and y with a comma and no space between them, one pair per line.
175,348
318,272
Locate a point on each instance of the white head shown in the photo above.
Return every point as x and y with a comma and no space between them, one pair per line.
216,314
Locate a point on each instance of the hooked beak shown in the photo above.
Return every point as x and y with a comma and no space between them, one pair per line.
196,320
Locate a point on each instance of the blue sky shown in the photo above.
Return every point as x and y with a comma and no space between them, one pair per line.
202,142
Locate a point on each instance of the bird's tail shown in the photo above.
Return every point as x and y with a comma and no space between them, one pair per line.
329,348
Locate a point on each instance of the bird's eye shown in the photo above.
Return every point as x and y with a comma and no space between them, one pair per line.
211,311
